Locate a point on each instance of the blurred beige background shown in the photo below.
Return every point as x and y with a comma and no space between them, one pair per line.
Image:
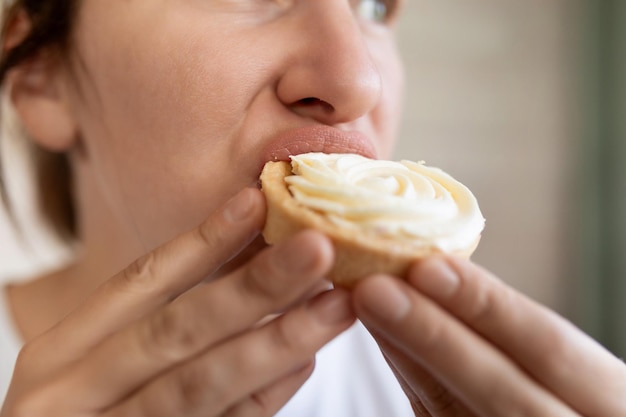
489,99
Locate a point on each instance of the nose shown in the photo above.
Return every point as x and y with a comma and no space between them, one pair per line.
330,75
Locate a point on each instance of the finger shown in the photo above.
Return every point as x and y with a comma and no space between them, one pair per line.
414,399
475,371
158,277
269,400
198,320
385,346
428,396
547,346
419,410
232,371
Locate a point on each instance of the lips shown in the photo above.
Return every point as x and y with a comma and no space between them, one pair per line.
317,138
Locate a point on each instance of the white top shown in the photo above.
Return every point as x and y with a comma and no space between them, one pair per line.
351,377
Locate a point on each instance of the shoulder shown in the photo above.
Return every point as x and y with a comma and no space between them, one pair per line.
10,344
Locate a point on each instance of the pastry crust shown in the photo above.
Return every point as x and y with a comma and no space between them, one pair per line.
357,254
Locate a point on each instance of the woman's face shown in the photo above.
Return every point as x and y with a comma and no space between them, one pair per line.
180,102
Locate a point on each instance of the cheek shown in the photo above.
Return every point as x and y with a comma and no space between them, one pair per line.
158,118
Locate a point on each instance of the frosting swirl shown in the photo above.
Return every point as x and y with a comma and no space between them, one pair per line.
405,199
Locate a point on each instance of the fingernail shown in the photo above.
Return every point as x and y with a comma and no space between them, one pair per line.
296,263
333,307
239,207
302,254
436,278
387,300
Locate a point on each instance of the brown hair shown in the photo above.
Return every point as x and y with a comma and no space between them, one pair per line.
51,27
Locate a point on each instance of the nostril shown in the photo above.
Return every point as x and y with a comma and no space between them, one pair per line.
313,102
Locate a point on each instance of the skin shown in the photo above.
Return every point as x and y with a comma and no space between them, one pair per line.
479,348
196,91
168,110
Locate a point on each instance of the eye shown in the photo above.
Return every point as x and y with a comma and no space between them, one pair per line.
374,10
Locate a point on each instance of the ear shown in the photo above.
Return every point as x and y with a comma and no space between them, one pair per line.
38,92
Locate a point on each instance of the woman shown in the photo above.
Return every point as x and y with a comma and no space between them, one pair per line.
164,113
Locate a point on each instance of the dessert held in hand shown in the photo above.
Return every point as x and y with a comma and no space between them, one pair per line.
381,215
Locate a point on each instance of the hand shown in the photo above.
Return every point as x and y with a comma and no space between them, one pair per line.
159,340
462,343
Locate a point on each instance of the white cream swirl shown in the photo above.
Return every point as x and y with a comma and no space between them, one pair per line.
404,199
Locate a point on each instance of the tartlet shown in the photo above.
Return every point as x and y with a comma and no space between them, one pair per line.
381,216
